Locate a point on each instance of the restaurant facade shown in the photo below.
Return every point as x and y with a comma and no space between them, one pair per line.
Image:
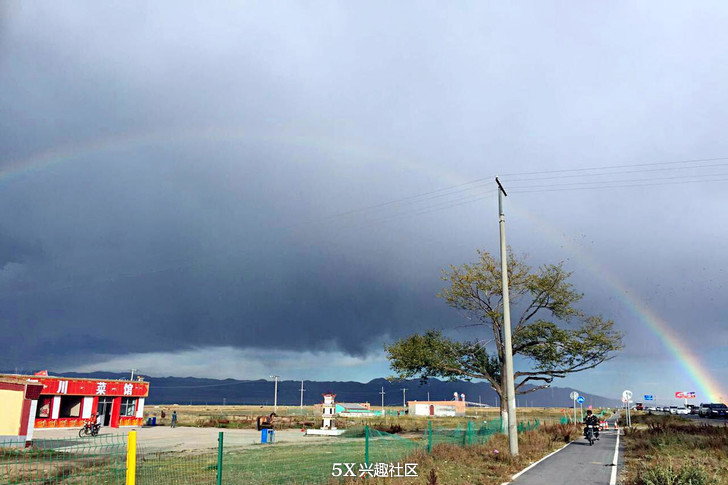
69,402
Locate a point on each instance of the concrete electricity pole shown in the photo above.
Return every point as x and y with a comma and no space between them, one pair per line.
404,397
507,346
382,393
275,395
302,391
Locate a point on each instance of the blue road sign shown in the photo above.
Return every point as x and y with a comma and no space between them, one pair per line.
649,397
580,399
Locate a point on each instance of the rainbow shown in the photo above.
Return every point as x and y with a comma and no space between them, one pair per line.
710,388
131,140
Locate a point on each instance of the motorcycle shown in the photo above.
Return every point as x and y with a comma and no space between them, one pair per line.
89,429
590,433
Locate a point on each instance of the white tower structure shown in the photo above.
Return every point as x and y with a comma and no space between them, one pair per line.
329,411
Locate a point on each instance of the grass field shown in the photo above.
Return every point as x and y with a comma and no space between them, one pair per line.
236,416
670,450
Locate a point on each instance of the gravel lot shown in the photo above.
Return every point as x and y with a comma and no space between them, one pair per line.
163,438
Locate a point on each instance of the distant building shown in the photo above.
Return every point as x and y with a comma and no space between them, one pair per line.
437,408
67,403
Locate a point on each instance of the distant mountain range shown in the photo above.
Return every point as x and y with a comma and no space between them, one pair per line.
194,390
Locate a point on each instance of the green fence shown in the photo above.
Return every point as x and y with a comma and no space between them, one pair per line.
102,460
77,461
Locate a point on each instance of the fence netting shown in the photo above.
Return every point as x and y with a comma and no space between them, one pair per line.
101,460
176,468
77,461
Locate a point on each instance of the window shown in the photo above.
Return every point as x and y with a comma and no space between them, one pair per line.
128,406
44,407
70,407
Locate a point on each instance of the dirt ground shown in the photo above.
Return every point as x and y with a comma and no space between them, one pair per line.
163,438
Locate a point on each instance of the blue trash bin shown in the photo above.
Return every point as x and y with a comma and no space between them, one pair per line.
267,436
154,421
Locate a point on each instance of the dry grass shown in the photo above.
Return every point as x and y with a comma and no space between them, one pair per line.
674,451
488,464
292,417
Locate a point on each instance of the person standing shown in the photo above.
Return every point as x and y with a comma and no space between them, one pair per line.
174,419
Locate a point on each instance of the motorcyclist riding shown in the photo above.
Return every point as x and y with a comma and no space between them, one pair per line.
592,420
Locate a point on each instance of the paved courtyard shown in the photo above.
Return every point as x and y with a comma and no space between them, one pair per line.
163,438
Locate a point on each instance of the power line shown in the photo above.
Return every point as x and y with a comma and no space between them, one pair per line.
618,186
595,183
607,167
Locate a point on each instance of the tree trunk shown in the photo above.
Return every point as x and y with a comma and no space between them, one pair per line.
503,395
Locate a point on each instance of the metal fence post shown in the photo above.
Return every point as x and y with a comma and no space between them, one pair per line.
131,448
366,445
429,437
219,458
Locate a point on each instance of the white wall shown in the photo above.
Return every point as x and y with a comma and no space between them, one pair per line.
31,420
55,407
88,403
140,408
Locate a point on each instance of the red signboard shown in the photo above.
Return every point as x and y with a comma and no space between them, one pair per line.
685,395
85,387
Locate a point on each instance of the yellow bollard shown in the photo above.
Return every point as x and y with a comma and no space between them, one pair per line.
131,448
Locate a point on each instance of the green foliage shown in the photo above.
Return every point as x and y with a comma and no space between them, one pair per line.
551,333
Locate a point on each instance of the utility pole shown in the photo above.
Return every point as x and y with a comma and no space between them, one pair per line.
382,393
508,348
275,395
132,375
404,397
428,395
302,391
223,401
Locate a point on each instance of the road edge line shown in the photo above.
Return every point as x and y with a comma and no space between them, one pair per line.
535,463
613,478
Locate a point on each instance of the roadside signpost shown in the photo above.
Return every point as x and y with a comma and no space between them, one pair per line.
626,399
649,397
580,400
574,395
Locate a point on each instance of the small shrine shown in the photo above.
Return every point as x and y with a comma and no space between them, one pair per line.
328,417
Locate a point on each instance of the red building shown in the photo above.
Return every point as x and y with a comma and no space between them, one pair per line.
66,402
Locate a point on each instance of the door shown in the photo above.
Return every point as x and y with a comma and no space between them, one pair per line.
104,409
432,410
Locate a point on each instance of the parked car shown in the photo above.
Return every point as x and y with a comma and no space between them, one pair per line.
672,409
682,411
693,408
713,410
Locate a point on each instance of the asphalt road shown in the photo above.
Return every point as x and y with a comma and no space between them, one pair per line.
577,464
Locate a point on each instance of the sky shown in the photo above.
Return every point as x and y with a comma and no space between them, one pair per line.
256,188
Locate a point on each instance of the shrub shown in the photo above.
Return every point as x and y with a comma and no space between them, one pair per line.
666,474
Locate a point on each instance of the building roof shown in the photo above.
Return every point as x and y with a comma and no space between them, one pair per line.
352,405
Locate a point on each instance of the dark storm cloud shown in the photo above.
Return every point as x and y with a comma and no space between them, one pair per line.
169,171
